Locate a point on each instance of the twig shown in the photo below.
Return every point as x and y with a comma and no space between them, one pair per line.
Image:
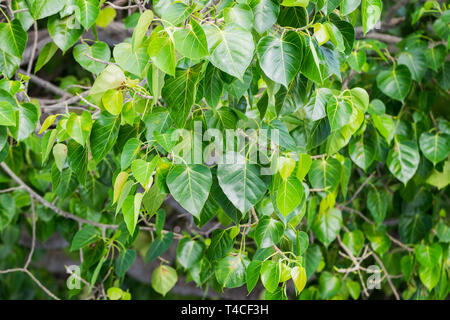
388,277
99,60
10,189
64,213
33,232
45,84
361,187
33,52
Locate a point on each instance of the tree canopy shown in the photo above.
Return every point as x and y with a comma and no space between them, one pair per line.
283,149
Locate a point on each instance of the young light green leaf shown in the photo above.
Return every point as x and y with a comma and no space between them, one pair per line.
164,279
145,19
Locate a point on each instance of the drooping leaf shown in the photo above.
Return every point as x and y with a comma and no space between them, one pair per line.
280,58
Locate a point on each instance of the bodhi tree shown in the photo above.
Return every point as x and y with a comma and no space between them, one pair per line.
294,149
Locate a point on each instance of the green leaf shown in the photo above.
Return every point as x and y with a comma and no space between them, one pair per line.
268,232
164,279
413,227
176,13
14,38
327,224
230,271
298,274
325,174
89,10
312,67
60,154
221,245
190,186
295,3
143,171
403,160
240,181
110,78
231,49
119,184
329,284
270,275
240,14
303,165
114,293
79,126
362,151
377,203
98,50
112,100
285,166
145,19
252,274
7,114
84,237
43,8
265,13
348,6
133,61
440,179
289,195
63,32
416,62
212,85
77,159
124,261
436,56
354,241
280,58
160,245
428,256
435,147
429,276
395,82
26,121
315,108
8,63
105,17
131,208
162,52
129,152
371,13
7,210
313,257
339,113
354,288
191,41
189,252
443,232
384,125
180,92
378,238
104,134
67,184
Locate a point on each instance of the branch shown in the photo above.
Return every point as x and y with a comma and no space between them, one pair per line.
388,277
45,84
361,187
33,52
67,214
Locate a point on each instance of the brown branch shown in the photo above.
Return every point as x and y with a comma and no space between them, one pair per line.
46,85
361,187
33,52
67,214
388,277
